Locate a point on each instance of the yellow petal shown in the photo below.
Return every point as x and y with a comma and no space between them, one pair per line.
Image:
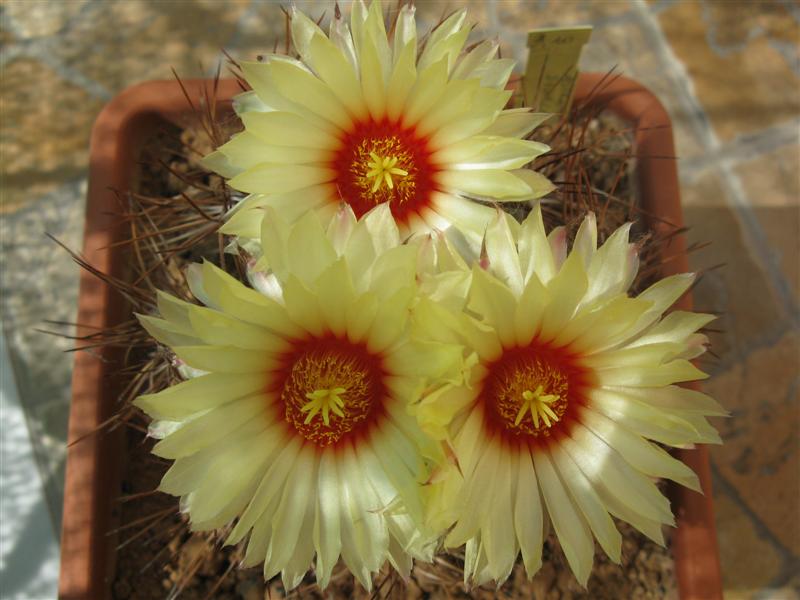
290,205
227,486
565,290
528,522
676,327
570,526
302,306
642,455
335,70
390,320
498,535
232,297
287,520
248,102
495,303
663,294
604,327
486,104
529,311
428,89
246,150
589,503
401,81
217,328
308,250
446,41
279,179
303,30
476,494
470,217
290,129
206,429
221,164
585,242
373,235
490,152
405,33
608,471
501,250
336,294
485,183
266,496
535,256
496,73
516,122
610,267
675,371
674,398
360,315
477,56
453,106
200,394
426,359
224,359
373,86
167,332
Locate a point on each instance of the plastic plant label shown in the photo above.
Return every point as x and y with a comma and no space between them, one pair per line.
553,67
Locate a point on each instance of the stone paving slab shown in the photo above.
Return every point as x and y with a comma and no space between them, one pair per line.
727,71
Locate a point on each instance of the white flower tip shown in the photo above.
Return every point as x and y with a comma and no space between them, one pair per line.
408,9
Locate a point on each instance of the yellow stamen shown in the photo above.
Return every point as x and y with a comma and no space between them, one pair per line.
325,400
381,170
537,402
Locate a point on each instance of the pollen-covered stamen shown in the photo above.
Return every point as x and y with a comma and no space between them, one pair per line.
382,170
325,401
528,392
534,384
383,162
330,389
538,403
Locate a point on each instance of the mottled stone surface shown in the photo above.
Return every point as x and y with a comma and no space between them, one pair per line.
772,183
46,125
743,572
742,58
733,284
760,457
38,289
727,72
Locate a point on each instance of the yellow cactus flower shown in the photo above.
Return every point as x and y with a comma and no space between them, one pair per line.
294,427
366,118
571,379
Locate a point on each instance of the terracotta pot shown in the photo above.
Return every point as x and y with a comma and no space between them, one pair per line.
95,462
694,543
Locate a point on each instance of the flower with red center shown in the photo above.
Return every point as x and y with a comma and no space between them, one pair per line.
293,427
367,118
569,380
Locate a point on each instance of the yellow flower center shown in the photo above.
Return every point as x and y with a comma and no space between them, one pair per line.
326,401
381,162
538,403
381,170
330,389
526,391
